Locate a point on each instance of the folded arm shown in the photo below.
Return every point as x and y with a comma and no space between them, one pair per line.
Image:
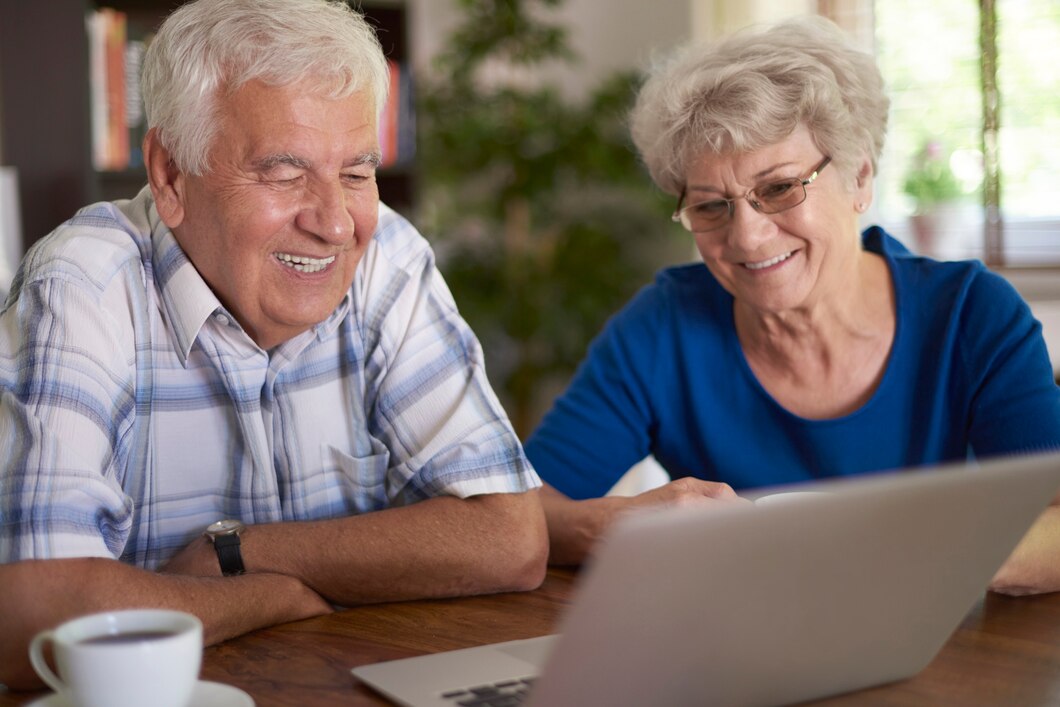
40,594
440,547
1034,566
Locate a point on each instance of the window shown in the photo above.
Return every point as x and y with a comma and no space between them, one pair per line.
931,184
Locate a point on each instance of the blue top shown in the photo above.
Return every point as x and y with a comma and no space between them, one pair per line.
968,373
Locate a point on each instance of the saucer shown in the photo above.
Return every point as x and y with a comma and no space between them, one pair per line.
205,694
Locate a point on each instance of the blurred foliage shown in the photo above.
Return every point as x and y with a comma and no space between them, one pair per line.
930,180
543,219
931,57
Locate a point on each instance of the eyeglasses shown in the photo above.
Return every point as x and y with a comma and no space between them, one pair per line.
770,198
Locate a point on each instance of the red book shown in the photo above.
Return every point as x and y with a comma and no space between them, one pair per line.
388,121
117,126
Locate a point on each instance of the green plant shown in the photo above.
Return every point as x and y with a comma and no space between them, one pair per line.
930,181
543,219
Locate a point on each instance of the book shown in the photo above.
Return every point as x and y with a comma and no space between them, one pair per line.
96,26
397,127
388,120
106,29
117,127
135,117
119,123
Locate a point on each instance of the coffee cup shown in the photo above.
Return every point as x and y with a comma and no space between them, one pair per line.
123,658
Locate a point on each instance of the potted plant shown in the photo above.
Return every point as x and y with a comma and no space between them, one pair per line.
543,220
932,184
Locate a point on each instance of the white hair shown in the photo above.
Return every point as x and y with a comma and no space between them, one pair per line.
753,90
210,48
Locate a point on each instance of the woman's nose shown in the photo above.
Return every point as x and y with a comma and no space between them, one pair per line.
748,228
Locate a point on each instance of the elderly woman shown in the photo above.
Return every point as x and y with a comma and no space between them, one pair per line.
798,349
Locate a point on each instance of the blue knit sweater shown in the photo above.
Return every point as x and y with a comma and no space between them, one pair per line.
968,374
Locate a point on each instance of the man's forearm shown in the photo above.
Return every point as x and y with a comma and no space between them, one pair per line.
43,593
574,527
439,547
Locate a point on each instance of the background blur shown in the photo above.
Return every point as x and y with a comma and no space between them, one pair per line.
507,144
539,247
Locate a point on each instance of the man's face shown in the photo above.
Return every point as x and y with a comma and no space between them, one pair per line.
279,222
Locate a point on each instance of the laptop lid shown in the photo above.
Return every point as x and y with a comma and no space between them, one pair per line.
859,583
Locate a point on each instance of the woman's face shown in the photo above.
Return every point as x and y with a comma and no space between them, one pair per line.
791,260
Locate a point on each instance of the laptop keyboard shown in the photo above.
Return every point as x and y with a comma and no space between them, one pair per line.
506,693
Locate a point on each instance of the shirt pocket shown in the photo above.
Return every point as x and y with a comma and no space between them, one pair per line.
362,480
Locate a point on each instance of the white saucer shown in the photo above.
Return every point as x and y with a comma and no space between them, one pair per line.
206,694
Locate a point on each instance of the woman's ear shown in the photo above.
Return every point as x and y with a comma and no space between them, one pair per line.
863,184
166,180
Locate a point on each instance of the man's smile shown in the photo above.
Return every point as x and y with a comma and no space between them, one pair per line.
303,263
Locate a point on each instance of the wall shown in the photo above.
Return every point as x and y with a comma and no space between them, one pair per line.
710,20
624,34
607,35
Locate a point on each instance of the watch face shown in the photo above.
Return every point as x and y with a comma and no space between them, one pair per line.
225,527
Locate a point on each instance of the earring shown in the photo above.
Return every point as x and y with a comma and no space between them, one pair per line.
861,207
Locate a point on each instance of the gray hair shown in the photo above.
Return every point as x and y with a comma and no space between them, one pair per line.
208,47
753,90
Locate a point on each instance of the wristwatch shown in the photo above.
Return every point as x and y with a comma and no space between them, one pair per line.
225,537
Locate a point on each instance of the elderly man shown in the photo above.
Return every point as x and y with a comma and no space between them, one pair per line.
247,393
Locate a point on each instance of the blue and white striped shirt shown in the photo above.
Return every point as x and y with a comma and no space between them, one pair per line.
135,410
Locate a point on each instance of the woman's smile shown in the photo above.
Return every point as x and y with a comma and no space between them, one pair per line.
765,264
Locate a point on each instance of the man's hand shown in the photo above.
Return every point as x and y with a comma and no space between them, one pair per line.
574,527
39,594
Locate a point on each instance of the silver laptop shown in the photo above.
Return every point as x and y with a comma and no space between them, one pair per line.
857,584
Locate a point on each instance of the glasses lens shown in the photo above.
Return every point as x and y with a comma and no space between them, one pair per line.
780,195
705,216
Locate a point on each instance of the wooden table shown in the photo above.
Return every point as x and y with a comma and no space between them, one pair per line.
1006,652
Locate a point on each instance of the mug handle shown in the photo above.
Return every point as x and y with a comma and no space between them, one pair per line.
36,657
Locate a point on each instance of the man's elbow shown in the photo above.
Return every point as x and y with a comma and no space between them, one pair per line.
530,561
520,555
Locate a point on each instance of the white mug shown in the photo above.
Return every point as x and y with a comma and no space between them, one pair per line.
123,658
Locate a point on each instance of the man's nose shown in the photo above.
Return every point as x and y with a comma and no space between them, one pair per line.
326,214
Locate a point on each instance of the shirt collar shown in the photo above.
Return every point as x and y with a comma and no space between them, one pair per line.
327,327
187,299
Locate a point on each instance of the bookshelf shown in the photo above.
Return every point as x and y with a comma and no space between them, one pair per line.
46,98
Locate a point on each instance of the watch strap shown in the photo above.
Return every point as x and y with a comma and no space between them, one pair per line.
229,555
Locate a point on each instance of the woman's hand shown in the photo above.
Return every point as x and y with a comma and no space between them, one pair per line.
684,493
574,527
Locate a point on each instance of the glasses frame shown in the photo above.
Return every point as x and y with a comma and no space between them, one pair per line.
756,205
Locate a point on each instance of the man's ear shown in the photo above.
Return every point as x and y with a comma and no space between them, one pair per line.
167,181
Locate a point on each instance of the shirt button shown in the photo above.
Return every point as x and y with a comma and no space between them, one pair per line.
221,319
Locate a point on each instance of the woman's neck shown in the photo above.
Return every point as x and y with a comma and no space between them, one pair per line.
826,358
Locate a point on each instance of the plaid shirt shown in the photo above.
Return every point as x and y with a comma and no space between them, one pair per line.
135,410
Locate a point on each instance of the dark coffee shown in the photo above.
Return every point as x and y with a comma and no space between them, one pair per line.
126,638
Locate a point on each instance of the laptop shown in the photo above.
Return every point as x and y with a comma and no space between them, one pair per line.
856,584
